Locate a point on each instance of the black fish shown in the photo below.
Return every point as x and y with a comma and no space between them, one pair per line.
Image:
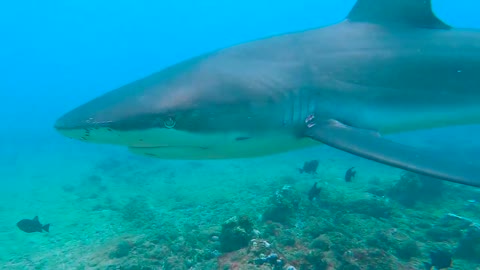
350,174
32,225
309,167
440,260
314,192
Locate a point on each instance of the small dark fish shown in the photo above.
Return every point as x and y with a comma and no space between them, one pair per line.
314,192
309,167
439,260
32,225
350,174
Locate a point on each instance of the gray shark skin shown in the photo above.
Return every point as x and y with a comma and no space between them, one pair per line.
390,66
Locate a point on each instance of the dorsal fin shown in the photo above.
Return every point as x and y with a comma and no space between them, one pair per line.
415,13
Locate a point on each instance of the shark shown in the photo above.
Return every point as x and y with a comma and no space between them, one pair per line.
388,67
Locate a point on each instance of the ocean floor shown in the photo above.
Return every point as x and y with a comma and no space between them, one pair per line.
110,209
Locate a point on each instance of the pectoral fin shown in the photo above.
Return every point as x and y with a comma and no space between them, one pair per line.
371,145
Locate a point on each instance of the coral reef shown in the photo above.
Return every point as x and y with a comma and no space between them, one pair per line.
138,211
282,205
412,188
236,233
165,223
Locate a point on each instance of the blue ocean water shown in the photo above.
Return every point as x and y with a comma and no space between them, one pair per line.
55,55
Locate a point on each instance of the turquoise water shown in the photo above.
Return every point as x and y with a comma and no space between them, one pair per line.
110,209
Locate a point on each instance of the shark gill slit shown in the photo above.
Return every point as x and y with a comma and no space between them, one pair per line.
305,106
300,106
292,109
296,107
287,114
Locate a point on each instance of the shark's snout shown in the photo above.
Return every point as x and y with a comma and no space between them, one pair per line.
60,124
73,128
81,125
88,130
67,122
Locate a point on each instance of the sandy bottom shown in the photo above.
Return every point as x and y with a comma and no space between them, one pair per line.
97,198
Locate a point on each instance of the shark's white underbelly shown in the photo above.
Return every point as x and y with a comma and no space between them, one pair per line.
174,144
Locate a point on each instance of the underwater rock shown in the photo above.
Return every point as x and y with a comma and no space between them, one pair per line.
68,188
109,164
272,260
265,254
381,240
412,187
236,233
377,191
137,210
90,188
396,240
260,255
272,229
259,246
322,243
407,250
341,242
448,228
316,228
316,260
469,245
94,180
358,258
283,204
376,207
287,239
123,249
441,234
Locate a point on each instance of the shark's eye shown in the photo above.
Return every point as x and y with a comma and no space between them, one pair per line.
169,122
